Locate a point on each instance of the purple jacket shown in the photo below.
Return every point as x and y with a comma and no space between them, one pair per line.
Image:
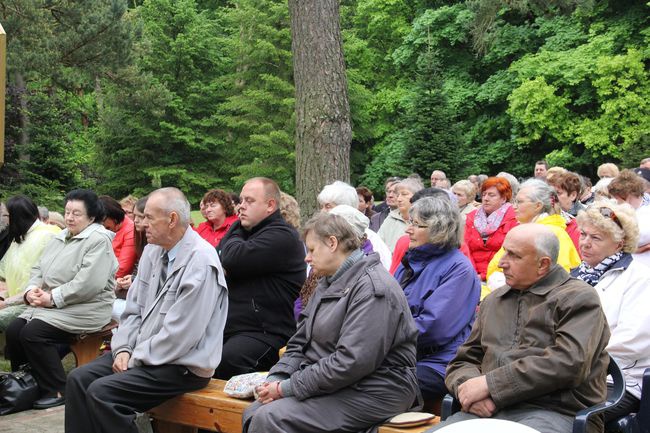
442,293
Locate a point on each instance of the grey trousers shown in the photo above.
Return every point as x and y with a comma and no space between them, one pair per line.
545,421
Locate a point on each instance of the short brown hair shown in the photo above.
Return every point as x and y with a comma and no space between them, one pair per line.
325,224
271,189
625,184
365,193
569,182
222,197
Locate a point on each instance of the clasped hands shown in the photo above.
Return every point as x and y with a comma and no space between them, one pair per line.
38,297
268,392
474,397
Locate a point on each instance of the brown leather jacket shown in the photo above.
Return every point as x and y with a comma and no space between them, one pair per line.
541,348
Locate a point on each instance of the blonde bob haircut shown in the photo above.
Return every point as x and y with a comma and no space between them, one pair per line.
626,230
465,187
325,224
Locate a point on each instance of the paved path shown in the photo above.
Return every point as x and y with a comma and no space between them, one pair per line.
33,421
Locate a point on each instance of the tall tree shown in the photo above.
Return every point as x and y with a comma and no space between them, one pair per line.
323,128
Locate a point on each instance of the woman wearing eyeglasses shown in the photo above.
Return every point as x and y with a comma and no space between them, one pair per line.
70,292
608,235
538,202
441,286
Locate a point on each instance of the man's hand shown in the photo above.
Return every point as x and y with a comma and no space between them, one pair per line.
268,391
484,408
472,391
121,362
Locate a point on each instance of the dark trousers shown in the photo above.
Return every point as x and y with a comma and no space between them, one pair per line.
100,401
432,384
246,354
629,404
38,343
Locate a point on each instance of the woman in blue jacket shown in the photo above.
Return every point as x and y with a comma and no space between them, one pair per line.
441,287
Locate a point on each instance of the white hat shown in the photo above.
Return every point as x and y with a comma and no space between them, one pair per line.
354,217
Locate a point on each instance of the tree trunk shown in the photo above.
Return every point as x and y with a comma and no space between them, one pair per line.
323,129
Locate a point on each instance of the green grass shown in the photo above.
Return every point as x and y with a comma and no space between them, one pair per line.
197,217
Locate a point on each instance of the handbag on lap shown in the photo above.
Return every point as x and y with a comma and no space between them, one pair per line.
18,391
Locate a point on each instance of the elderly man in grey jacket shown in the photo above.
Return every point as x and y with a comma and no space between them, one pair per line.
171,333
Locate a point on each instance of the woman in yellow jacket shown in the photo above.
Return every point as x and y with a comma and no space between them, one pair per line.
536,202
28,239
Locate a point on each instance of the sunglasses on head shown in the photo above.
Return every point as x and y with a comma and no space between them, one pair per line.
608,213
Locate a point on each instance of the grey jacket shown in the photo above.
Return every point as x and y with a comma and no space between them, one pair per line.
358,333
80,273
541,348
183,323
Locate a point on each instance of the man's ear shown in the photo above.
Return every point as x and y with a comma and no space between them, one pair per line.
272,205
173,219
545,265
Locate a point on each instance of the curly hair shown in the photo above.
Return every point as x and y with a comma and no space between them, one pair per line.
625,184
621,226
222,197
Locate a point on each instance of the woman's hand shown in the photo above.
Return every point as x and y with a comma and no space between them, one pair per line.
123,283
268,392
37,297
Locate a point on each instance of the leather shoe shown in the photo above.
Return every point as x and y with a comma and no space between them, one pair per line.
48,402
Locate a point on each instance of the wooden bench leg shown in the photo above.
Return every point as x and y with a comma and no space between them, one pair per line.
86,350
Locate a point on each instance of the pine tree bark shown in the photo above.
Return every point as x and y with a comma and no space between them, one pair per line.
323,128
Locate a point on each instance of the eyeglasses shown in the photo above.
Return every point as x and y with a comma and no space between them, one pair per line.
608,213
420,226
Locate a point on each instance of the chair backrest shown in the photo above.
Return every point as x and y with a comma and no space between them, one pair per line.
618,390
643,417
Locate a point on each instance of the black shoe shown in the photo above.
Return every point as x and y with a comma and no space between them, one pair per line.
48,402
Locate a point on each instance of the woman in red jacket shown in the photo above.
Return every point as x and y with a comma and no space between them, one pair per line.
220,214
487,226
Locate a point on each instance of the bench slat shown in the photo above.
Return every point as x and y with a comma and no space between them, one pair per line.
211,409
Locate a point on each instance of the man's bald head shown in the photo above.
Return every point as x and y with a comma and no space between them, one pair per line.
531,251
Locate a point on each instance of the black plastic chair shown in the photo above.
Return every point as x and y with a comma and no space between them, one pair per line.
450,405
637,422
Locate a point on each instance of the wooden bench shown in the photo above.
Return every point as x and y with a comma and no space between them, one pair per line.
85,347
211,409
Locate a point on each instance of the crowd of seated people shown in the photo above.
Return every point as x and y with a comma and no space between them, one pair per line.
448,272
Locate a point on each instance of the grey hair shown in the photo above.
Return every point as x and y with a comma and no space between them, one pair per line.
541,192
514,183
413,185
338,193
43,212
547,244
175,201
442,217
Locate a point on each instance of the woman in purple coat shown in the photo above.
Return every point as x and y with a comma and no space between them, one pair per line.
441,287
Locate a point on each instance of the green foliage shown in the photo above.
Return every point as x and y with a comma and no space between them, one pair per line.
125,96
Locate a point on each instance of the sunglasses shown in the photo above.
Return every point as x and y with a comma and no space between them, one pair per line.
608,213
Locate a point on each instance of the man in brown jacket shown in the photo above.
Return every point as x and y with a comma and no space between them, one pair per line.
536,354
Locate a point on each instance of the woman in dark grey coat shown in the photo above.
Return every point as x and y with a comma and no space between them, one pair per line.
351,363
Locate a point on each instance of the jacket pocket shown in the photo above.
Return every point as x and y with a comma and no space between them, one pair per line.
168,301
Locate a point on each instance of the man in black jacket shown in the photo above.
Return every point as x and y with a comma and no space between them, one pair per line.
263,258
